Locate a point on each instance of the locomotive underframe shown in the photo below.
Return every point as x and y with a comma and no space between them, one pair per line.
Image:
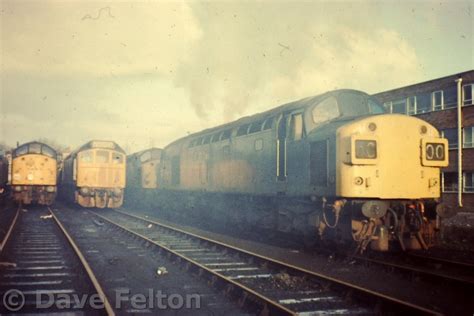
30,194
405,225
99,197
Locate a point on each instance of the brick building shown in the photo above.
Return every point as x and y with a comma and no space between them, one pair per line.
436,102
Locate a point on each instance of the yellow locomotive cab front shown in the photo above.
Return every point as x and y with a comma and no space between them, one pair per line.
34,174
389,157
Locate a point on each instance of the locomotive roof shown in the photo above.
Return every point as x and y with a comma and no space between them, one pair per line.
287,107
138,153
14,151
104,144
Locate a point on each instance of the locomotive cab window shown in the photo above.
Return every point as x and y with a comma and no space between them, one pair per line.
85,157
375,108
325,111
22,150
35,149
48,152
102,156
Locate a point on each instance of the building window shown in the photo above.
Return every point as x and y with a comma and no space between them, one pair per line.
451,134
468,181
423,103
450,97
399,106
450,181
468,92
468,137
411,104
437,100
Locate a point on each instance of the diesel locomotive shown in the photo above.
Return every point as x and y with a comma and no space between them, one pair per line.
94,175
142,169
334,166
34,174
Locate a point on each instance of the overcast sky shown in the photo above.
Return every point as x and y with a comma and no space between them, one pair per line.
144,74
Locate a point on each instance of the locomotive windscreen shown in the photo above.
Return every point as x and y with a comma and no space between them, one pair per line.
352,104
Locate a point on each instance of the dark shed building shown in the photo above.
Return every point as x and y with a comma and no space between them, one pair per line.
436,101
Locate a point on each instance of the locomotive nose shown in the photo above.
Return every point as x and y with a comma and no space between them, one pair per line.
390,156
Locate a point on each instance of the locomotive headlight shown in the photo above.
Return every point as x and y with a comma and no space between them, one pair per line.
365,149
84,191
50,189
17,188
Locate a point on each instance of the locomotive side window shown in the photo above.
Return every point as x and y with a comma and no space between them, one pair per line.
267,124
207,139
325,111
243,130
226,134
296,126
215,138
255,127
102,156
85,156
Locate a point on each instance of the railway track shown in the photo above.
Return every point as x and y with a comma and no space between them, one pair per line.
432,269
136,278
43,271
276,287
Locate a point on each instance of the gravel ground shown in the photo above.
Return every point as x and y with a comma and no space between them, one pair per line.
458,232
371,277
125,267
